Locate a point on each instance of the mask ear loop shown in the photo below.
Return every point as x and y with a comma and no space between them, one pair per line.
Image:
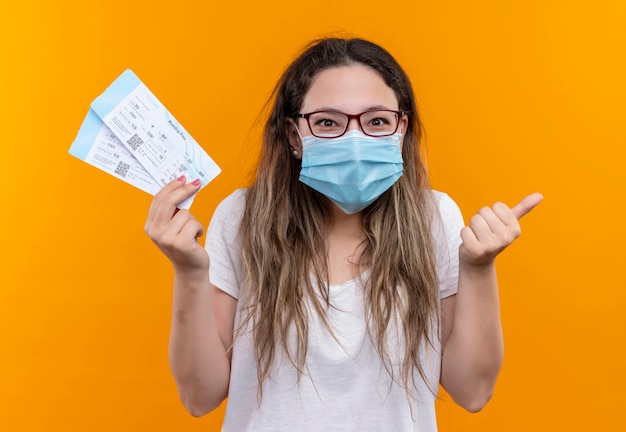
297,130
401,130
294,151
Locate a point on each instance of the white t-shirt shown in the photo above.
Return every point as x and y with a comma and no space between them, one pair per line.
345,386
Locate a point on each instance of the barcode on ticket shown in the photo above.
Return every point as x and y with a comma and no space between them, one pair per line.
122,169
134,142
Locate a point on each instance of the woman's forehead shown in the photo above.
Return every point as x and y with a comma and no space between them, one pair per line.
351,89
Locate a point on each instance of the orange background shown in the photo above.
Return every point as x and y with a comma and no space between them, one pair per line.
517,96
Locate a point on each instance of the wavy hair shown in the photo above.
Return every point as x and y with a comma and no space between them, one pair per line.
285,223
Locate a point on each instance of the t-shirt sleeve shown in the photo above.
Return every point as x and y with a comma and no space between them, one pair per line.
223,244
447,237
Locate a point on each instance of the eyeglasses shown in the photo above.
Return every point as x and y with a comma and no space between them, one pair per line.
333,124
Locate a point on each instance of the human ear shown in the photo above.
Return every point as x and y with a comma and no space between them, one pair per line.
295,143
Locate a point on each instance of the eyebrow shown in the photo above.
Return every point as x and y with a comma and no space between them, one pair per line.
369,108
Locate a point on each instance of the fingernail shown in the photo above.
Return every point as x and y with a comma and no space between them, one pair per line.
196,182
181,178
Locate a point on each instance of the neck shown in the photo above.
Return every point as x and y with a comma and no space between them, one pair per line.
345,243
346,225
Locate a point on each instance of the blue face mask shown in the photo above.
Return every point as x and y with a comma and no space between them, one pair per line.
352,170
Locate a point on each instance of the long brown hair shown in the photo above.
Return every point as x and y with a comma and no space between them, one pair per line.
285,222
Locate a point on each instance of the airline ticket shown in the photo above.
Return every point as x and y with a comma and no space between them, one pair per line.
129,134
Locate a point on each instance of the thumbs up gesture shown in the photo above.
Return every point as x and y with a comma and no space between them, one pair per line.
492,229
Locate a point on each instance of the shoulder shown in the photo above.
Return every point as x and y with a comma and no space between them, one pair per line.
444,202
447,212
236,200
447,225
228,215
223,244
231,208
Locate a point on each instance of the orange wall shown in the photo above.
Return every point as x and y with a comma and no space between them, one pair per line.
517,96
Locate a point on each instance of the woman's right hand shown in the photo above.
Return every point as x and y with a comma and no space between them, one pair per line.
176,231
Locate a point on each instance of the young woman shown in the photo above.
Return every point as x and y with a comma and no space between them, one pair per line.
338,291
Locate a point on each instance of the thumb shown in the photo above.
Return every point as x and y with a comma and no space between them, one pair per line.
526,205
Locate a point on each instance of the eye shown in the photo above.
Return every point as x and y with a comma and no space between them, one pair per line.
379,122
327,121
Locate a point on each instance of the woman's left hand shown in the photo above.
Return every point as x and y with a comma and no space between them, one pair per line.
492,229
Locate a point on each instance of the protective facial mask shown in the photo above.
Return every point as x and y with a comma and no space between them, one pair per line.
352,170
